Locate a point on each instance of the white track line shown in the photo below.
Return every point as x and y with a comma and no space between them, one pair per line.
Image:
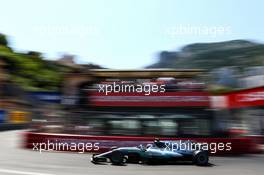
21,172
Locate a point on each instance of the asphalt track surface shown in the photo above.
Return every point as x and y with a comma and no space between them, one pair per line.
17,161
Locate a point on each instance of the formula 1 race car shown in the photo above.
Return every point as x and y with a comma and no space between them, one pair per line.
158,152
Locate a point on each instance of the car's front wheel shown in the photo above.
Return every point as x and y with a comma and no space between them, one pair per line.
117,158
201,158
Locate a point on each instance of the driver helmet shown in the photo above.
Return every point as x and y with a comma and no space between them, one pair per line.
156,140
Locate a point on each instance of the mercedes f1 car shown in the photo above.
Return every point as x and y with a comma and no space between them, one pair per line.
157,152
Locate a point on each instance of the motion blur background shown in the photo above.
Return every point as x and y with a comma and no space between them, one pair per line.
209,55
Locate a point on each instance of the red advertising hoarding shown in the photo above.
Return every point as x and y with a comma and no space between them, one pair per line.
159,99
246,98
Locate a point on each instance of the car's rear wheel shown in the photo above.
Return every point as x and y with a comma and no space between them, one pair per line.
117,158
201,158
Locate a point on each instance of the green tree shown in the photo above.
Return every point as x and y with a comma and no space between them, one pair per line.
3,40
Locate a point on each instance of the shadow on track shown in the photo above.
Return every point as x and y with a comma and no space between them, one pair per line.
157,164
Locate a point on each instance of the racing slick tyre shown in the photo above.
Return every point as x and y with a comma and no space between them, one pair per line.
201,158
117,158
97,160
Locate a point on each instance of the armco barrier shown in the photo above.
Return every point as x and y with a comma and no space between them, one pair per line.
258,138
82,143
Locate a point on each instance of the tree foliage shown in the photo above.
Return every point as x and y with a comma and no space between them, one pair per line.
3,40
30,70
